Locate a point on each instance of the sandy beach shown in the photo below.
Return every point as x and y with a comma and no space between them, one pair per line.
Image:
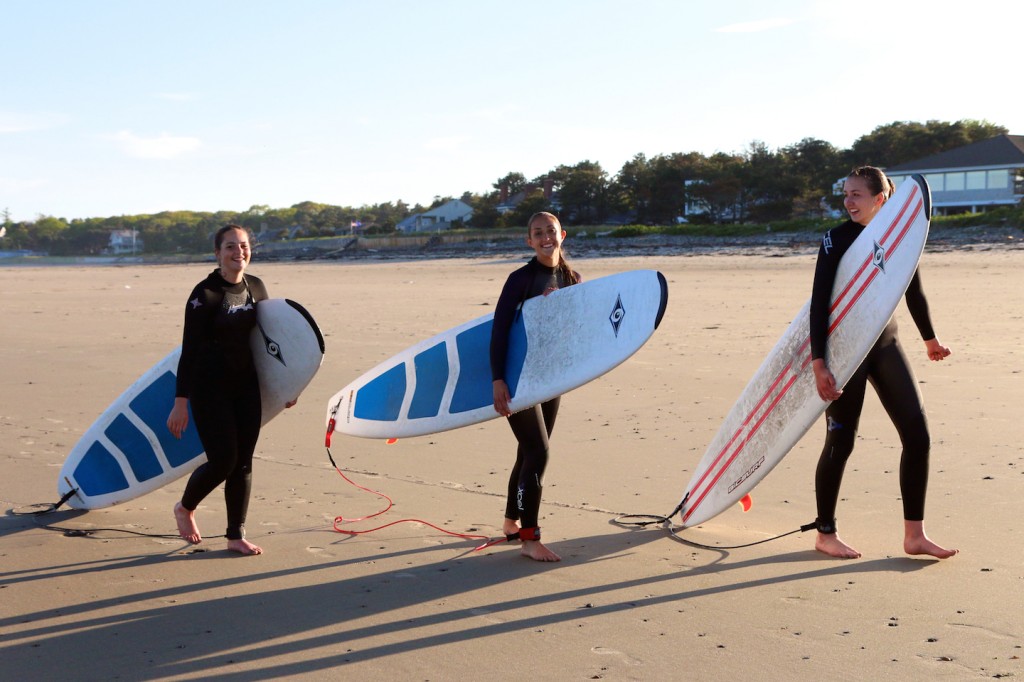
410,603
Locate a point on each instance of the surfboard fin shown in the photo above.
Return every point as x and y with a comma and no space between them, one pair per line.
391,441
747,502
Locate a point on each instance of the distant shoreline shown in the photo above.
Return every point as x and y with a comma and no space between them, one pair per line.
582,246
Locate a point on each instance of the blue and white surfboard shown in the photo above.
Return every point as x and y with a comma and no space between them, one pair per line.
128,450
558,343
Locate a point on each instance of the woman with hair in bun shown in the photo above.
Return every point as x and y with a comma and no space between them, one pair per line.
865,191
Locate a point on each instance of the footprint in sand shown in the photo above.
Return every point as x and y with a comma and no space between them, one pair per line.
625,658
320,552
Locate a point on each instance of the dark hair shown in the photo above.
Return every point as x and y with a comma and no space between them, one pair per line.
878,182
568,276
219,237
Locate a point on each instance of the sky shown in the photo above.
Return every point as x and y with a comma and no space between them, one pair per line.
115,107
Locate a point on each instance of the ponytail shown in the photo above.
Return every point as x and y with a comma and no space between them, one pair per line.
878,182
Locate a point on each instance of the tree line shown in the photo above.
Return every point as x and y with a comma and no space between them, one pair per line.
756,185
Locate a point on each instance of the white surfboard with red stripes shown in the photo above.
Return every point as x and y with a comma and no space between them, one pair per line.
781,402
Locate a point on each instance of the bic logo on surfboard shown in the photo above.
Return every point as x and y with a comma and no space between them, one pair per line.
878,257
618,312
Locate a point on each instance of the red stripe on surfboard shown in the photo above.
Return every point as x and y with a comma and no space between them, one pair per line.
899,239
742,426
874,273
859,293
743,444
867,261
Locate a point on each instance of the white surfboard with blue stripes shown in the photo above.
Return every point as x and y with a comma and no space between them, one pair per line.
128,450
558,343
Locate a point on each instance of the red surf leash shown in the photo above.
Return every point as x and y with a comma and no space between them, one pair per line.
339,520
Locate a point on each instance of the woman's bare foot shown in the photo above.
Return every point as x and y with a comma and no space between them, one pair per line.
916,542
830,544
538,552
243,546
531,548
187,528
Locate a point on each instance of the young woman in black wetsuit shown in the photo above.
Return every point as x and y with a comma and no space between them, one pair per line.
886,367
547,271
216,375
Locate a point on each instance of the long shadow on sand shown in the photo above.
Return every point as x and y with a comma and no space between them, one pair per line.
310,624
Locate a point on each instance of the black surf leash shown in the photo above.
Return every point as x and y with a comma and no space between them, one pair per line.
644,520
51,507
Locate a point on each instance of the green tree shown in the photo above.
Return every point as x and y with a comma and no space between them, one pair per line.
719,188
46,232
583,191
767,186
90,237
816,165
533,202
485,209
512,182
633,188
902,141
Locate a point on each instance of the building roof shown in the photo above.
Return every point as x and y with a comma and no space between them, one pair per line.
1002,150
449,209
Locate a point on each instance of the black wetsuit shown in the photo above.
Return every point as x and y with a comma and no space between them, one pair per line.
887,369
532,427
217,375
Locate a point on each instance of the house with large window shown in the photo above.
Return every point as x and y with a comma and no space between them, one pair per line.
973,178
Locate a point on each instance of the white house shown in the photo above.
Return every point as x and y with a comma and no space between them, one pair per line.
440,218
971,178
124,241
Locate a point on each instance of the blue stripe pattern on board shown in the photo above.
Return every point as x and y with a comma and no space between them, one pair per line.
99,473
431,378
135,447
152,406
381,399
517,345
474,388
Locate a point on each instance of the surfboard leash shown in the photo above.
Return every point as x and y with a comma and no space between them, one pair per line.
339,520
51,507
644,520
672,531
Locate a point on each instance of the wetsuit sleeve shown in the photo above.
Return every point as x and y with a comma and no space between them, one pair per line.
504,316
918,305
821,296
193,338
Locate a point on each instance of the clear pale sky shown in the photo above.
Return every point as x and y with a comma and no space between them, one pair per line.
126,107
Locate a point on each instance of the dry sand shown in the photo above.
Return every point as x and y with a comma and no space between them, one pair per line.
409,603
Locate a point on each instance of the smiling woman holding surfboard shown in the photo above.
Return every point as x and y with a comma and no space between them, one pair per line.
865,191
217,379
546,272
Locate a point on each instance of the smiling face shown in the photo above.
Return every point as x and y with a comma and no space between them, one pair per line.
233,254
859,202
545,237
